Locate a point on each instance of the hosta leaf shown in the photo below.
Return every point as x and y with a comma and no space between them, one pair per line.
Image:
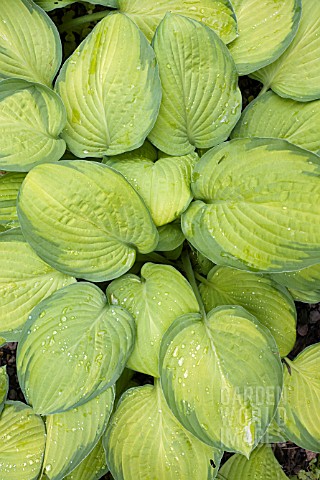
296,74
222,377
304,284
73,347
266,300
95,239
30,46
103,119
93,467
201,100
170,237
276,117
2,341
4,385
155,301
72,435
264,32
249,220
163,185
22,442
299,409
262,464
145,440
25,280
35,115
216,14
9,188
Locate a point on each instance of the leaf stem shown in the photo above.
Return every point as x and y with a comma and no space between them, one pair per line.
263,90
91,17
192,280
202,279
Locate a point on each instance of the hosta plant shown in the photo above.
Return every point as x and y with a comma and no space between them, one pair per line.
153,238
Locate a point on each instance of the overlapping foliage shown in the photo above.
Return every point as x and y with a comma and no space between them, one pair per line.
117,169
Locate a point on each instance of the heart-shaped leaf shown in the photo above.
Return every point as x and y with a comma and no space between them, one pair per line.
25,280
95,239
155,301
93,467
30,46
163,185
22,442
36,116
265,32
262,464
299,408
72,435
252,221
201,101
222,377
270,303
144,439
216,14
73,347
271,116
304,285
296,74
4,386
102,118
170,237
9,188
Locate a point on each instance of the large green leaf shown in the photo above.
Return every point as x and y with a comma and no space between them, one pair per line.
145,440
222,377
304,284
30,46
262,464
31,118
270,303
72,435
22,442
155,301
4,386
9,188
299,409
93,467
73,347
265,31
296,74
25,280
95,239
276,117
253,221
111,89
163,185
201,100
216,14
